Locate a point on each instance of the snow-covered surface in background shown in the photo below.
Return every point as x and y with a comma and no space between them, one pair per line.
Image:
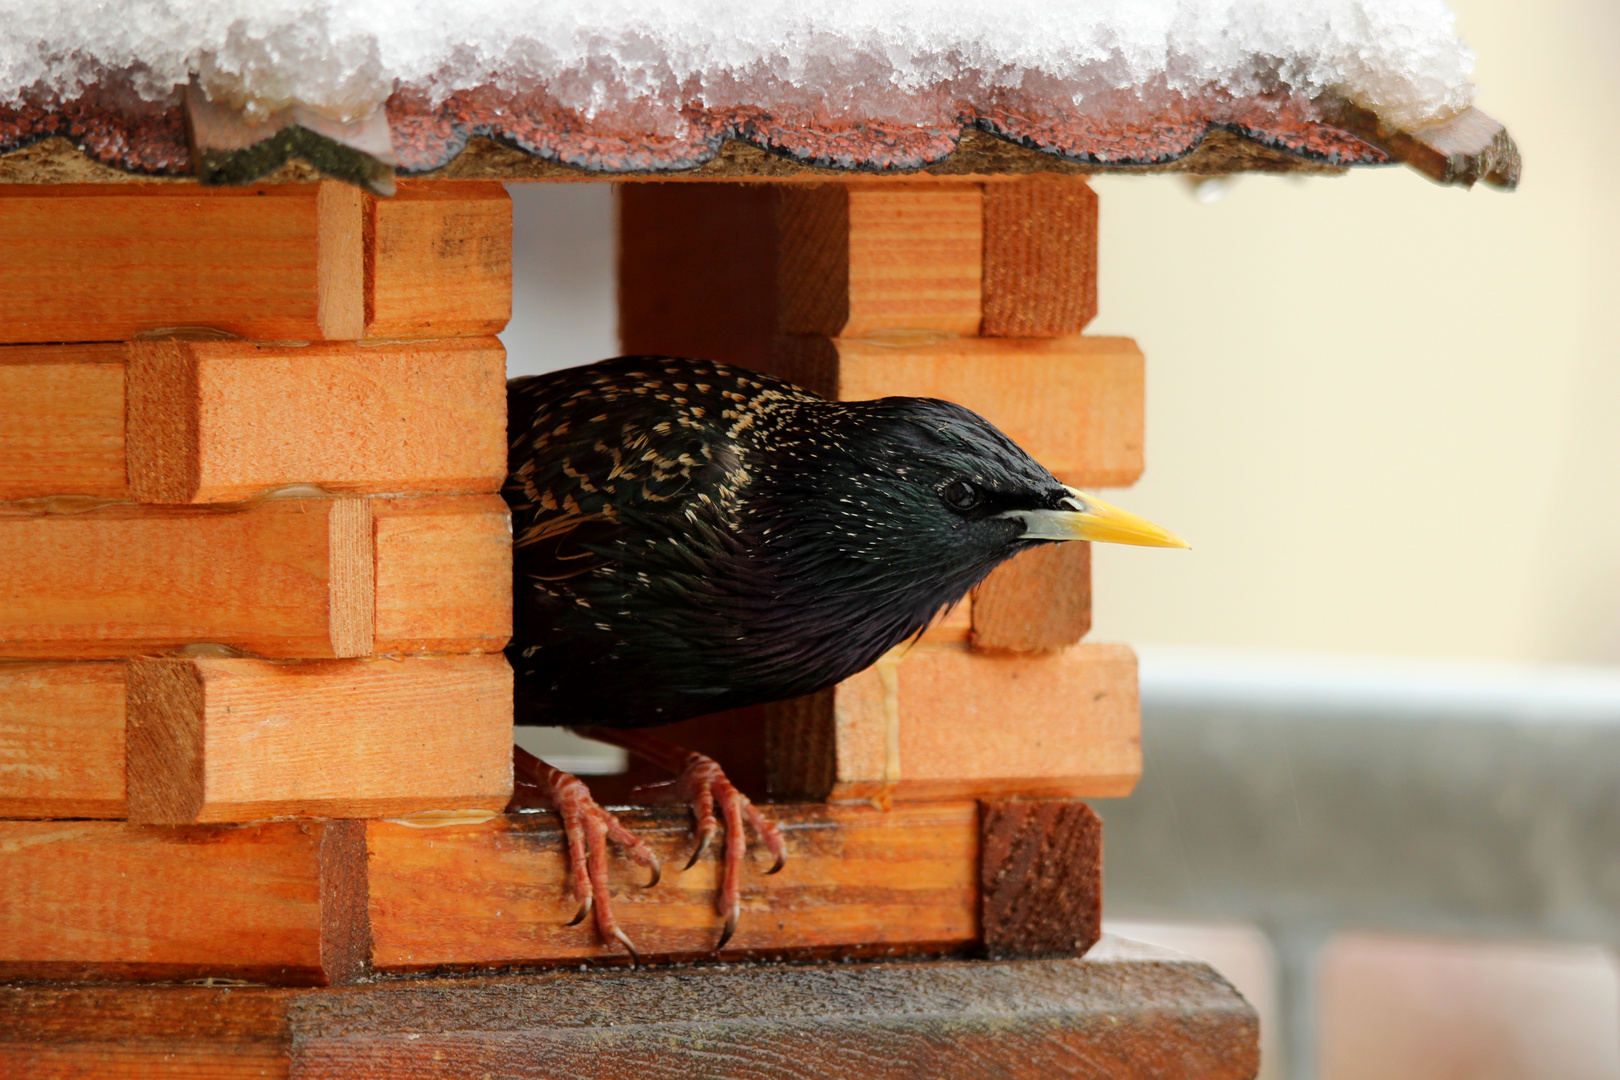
900,60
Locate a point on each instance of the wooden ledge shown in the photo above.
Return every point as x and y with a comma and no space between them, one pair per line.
312,901
1126,1011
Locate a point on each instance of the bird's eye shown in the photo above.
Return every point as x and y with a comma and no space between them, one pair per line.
961,495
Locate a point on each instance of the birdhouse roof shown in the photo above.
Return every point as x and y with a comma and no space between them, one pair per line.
230,90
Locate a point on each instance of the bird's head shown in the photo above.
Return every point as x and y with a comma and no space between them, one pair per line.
918,498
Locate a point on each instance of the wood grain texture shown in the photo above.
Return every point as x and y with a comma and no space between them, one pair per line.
1040,257
865,260
1124,1012
61,740
697,270
438,261
813,249
444,574
856,880
916,259
61,421
1037,602
286,577
340,261
1074,404
1040,875
269,902
943,721
224,421
720,271
87,262
215,739
283,577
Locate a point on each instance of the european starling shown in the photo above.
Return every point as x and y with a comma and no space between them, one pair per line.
691,537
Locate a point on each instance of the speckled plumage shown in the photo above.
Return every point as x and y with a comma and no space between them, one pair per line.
692,537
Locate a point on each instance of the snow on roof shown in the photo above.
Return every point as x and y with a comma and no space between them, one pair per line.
680,75
898,60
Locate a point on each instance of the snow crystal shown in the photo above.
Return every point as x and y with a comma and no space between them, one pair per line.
894,60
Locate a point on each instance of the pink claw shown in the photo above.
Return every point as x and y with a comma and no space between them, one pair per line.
700,781
587,828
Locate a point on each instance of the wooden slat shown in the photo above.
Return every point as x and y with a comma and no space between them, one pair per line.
857,261
61,740
942,721
223,739
439,260
856,879
1040,257
720,271
278,901
1040,869
444,574
915,259
1074,404
697,270
1125,1012
224,421
285,577
87,262
211,421
289,577
1037,602
61,421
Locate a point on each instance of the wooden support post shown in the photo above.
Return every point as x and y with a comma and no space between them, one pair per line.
1040,875
1126,1012
941,721
291,577
280,901
299,262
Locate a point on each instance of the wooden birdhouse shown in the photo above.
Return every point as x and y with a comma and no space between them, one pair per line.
255,580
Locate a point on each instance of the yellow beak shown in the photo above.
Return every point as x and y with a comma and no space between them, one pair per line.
1089,518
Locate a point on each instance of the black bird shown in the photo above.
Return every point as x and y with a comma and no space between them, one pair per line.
691,537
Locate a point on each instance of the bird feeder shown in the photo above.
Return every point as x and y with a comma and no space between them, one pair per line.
255,575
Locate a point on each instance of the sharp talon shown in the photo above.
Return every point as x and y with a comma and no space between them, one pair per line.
702,848
657,875
730,928
584,912
781,861
629,946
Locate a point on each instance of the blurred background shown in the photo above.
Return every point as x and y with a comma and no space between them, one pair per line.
1382,694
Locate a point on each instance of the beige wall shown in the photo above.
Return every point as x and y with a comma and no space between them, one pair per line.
1387,414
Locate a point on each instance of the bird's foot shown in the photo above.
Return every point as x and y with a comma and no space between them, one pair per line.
588,828
703,783
700,781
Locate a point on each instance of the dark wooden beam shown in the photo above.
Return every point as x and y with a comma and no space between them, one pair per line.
1126,1012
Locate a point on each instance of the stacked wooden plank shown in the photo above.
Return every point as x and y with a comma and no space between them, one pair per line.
257,580
976,293
253,561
